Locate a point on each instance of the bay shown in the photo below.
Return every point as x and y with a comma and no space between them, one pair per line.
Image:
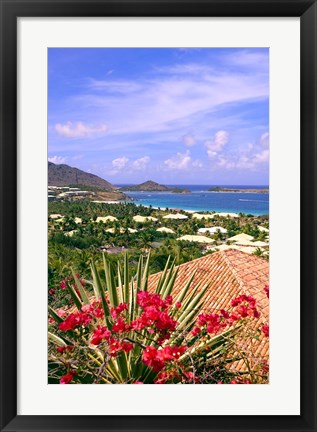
200,199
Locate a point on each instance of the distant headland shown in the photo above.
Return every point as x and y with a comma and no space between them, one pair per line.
151,186
222,189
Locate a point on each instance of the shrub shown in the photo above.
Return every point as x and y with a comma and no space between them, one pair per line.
126,334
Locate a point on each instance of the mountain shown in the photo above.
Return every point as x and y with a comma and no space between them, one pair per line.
151,186
64,175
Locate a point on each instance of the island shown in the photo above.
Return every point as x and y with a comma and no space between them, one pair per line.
151,186
221,189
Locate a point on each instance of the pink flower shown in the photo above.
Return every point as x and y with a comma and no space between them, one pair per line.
75,320
99,334
195,331
62,349
127,347
267,290
120,326
266,330
66,379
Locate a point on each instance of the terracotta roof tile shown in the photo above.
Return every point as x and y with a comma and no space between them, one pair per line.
229,273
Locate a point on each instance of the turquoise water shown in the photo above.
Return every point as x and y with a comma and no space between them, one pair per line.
201,200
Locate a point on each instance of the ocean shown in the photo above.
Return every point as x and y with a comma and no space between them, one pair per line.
201,200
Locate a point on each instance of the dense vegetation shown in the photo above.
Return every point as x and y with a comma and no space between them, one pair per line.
72,244
126,334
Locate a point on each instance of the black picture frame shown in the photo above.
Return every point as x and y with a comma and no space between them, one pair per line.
10,11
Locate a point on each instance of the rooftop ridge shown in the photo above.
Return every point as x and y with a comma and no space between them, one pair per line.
235,272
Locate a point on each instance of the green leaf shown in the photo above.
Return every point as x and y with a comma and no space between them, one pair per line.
111,286
131,300
170,284
56,339
120,286
145,276
162,277
185,289
126,278
74,296
54,315
80,288
101,293
139,273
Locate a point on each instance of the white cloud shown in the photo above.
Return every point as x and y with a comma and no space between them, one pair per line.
119,163
141,163
179,162
245,162
261,157
184,69
57,159
188,140
78,157
197,164
115,86
220,139
159,102
252,156
249,60
265,140
225,163
79,129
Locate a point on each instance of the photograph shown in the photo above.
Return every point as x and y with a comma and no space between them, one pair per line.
158,215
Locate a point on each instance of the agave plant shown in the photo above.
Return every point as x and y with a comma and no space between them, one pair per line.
126,334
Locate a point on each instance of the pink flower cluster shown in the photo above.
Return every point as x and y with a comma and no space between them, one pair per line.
66,379
62,349
75,320
245,306
266,330
242,307
155,315
157,358
104,334
94,309
267,291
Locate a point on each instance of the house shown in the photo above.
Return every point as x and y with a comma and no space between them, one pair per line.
121,230
241,238
230,215
165,230
175,216
230,274
142,219
114,250
212,230
202,216
196,238
243,248
105,219
70,233
55,216
263,229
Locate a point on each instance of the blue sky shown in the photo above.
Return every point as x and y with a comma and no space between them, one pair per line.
175,116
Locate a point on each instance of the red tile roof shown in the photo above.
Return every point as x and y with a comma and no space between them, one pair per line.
229,274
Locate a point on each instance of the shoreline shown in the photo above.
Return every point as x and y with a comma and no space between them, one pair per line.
190,211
